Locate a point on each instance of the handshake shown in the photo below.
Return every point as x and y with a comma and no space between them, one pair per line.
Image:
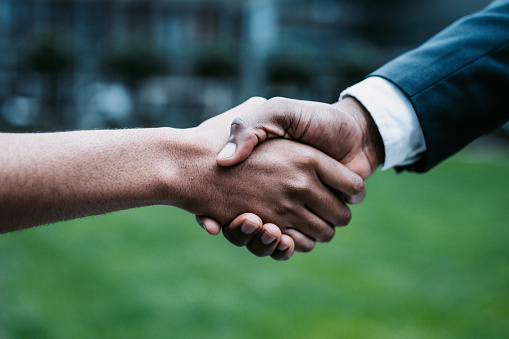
284,177
276,175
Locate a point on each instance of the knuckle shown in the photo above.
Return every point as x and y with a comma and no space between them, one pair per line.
277,105
309,161
307,155
327,234
321,232
277,101
306,247
283,208
282,112
345,216
358,186
257,100
299,186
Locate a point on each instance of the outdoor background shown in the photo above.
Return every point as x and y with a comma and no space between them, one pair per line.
425,256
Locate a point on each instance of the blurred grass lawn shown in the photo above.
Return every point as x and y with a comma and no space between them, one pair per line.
426,256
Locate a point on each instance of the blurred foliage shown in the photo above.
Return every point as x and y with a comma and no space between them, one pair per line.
286,68
133,60
355,60
425,256
218,60
48,52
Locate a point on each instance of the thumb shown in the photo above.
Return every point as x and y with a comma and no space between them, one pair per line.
243,139
209,224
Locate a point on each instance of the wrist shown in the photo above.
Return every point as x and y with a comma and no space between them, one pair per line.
186,158
373,139
371,145
66,175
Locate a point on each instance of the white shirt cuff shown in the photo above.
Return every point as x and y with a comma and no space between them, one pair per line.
395,118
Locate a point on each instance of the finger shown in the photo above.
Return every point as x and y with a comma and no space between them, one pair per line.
243,229
241,143
285,249
266,241
209,224
328,205
246,131
302,242
314,227
340,178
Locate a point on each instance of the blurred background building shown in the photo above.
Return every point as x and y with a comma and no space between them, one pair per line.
70,64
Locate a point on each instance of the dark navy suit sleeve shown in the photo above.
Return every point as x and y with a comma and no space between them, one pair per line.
457,82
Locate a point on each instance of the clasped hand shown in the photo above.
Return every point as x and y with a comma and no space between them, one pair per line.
303,190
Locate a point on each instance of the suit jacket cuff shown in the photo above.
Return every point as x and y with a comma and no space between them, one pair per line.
395,118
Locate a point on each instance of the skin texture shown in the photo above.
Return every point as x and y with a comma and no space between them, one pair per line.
50,177
300,170
343,130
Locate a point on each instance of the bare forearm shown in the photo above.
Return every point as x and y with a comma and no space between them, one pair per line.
50,177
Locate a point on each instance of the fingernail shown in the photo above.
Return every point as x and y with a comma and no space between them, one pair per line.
248,227
282,247
267,238
228,151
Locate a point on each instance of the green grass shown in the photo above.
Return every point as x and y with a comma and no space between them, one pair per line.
425,256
